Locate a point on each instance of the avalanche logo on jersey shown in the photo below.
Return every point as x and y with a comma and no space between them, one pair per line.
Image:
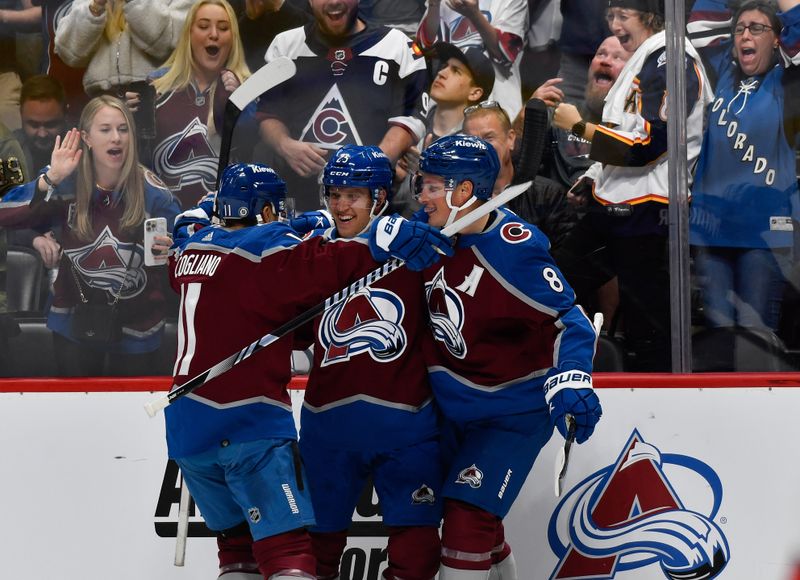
446,313
187,157
628,516
463,33
370,322
331,124
104,265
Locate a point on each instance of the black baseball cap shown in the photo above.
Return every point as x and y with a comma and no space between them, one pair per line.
654,6
473,57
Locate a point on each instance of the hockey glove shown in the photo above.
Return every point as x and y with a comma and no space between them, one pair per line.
418,244
420,216
310,221
572,393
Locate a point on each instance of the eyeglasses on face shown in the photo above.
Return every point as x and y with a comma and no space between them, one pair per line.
756,29
486,105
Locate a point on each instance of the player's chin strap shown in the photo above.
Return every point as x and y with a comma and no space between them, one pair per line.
372,214
454,209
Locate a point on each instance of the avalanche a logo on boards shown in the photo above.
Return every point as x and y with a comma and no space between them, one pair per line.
629,516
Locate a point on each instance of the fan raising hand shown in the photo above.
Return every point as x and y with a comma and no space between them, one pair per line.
65,157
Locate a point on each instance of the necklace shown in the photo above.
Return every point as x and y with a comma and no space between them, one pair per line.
100,187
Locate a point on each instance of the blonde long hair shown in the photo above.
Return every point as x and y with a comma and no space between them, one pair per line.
181,64
115,19
131,179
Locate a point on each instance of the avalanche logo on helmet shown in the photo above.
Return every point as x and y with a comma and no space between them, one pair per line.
370,321
628,516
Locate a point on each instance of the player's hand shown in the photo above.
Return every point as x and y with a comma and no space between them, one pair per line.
549,92
305,159
65,157
49,249
310,221
420,216
418,244
571,392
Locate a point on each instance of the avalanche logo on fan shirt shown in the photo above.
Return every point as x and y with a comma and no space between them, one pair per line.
369,322
107,264
187,157
331,124
629,516
446,313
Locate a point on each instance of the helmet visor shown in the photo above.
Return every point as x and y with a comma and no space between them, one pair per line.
427,186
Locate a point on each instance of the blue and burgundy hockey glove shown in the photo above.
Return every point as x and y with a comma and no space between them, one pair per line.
571,392
416,243
310,221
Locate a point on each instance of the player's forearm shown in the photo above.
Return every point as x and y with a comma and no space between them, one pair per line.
786,5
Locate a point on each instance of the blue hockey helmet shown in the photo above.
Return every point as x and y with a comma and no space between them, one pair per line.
359,166
460,158
245,188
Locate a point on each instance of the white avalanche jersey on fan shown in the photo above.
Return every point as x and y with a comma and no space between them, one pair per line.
510,19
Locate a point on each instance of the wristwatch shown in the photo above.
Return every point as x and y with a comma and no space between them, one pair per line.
579,128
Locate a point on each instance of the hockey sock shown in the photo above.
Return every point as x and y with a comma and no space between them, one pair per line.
236,551
285,554
504,567
328,548
468,537
414,553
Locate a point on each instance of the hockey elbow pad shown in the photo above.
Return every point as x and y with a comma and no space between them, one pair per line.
571,392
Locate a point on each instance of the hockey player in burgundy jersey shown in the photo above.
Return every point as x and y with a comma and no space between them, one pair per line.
368,407
235,438
512,356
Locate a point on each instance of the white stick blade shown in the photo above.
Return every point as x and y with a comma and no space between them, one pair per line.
270,75
560,457
154,407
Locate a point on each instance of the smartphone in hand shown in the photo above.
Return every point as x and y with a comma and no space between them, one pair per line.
154,227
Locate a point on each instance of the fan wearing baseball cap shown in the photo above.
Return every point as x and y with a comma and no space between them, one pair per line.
464,78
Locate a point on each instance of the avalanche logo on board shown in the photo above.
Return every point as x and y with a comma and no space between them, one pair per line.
628,516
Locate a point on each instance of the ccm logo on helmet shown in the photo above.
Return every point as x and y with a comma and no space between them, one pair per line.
338,173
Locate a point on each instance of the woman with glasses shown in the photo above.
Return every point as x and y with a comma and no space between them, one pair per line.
628,183
746,184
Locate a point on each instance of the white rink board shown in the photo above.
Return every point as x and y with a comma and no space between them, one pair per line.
82,474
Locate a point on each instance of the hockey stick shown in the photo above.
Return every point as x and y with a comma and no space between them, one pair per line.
224,365
183,524
562,458
268,76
